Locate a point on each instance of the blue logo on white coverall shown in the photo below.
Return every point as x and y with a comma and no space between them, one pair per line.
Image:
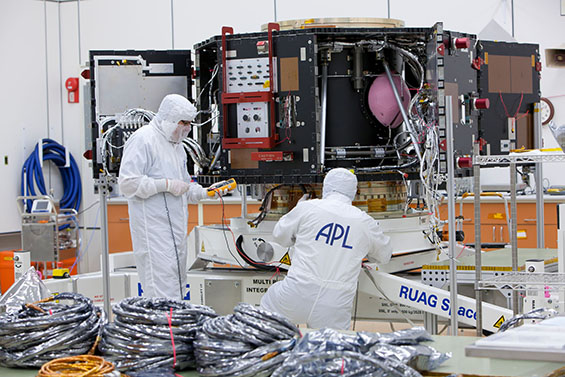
186,297
333,232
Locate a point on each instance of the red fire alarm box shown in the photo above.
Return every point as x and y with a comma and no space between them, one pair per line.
72,89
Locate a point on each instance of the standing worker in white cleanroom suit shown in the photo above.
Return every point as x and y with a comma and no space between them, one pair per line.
154,178
330,239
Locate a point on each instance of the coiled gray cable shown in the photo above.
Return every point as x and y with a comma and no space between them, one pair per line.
140,336
47,330
249,342
337,363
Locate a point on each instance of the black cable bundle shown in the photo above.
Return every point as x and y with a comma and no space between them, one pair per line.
339,363
249,342
46,330
327,352
153,333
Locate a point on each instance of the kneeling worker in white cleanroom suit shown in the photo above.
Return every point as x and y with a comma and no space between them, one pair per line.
154,178
330,238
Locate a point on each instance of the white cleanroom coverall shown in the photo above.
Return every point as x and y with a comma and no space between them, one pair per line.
330,238
154,178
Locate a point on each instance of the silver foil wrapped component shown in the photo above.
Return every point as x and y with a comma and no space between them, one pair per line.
415,335
27,289
327,352
558,133
343,363
419,357
250,342
144,330
332,340
38,333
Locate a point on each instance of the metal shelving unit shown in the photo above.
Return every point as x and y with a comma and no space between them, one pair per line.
512,161
521,158
524,280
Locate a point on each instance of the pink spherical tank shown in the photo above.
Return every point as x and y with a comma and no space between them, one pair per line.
382,103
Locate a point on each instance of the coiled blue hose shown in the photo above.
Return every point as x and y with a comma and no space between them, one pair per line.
33,173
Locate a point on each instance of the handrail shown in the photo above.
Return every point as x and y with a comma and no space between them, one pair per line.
20,202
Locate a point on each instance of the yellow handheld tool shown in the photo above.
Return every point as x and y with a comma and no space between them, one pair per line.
222,187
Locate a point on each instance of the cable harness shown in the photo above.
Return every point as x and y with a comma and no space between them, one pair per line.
327,352
537,314
249,342
117,129
153,333
47,330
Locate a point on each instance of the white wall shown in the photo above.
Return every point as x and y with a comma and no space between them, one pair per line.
22,97
198,21
548,31
146,24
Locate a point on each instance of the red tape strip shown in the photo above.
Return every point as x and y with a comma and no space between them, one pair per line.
169,318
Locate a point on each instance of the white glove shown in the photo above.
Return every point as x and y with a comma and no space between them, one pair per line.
161,185
203,193
304,198
177,187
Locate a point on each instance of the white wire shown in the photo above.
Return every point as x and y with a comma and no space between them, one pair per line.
214,73
133,117
429,168
208,121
